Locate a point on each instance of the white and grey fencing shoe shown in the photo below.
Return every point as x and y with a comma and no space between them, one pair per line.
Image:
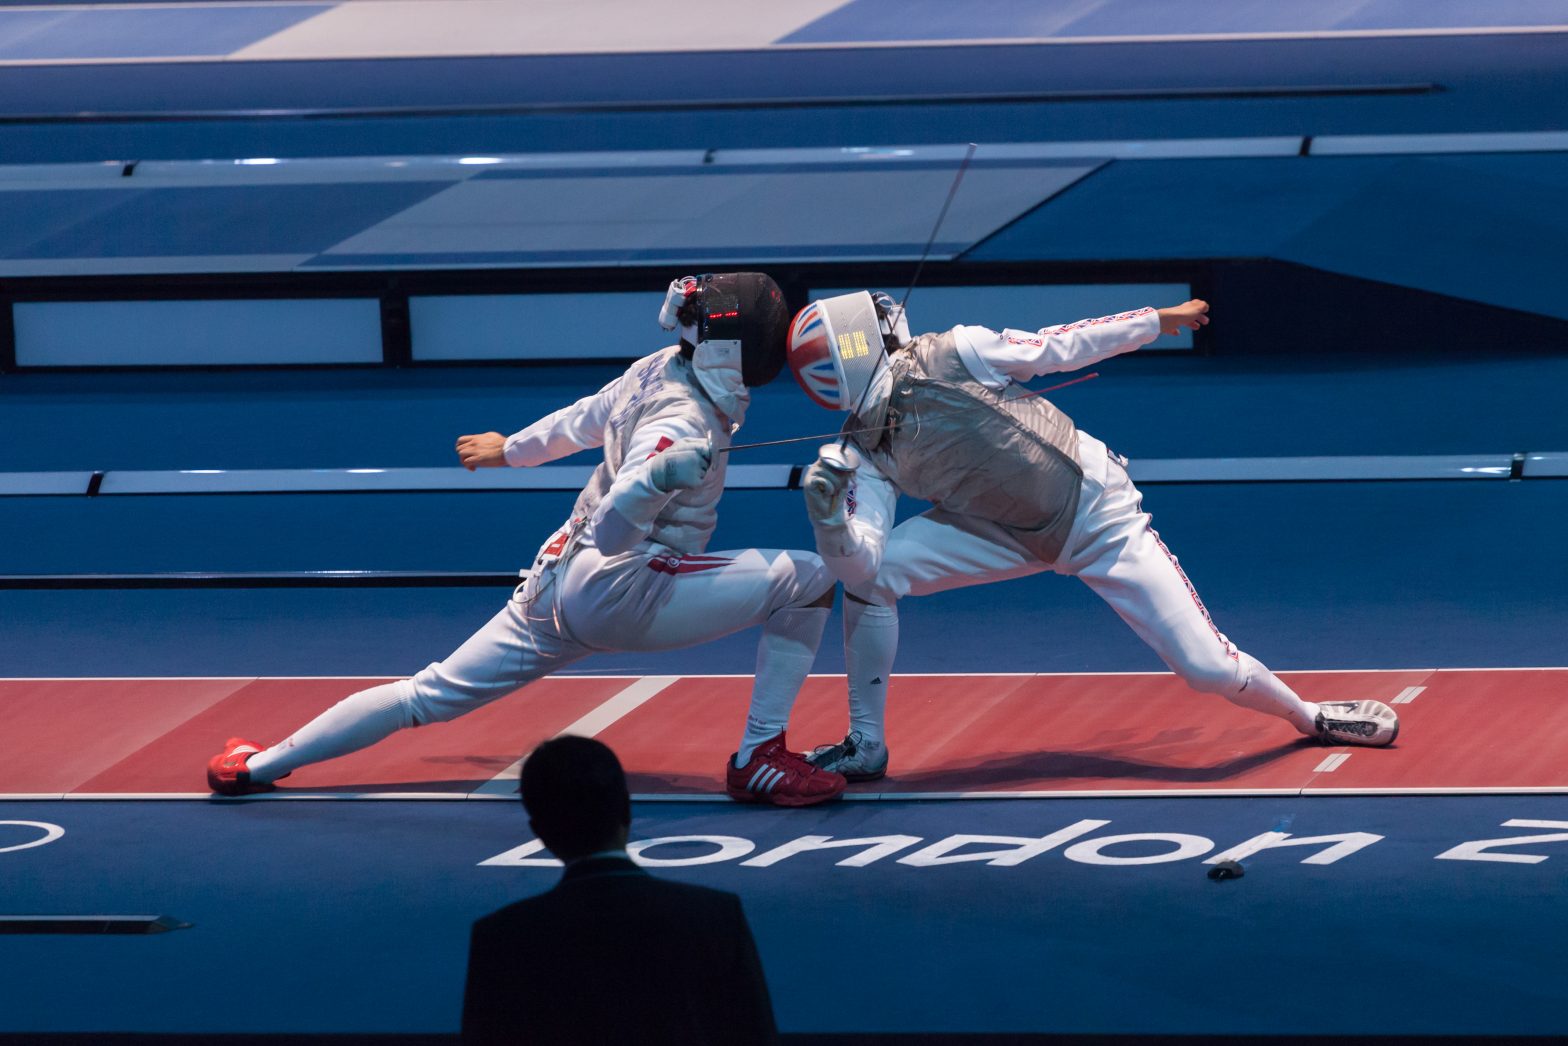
854,757
1357,723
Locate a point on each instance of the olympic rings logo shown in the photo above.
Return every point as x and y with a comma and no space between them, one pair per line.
51,833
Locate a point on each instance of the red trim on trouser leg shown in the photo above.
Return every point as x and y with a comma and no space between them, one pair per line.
1230,649
675,564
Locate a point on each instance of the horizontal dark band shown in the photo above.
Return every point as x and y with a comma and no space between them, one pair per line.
1144,471
90,924
676,105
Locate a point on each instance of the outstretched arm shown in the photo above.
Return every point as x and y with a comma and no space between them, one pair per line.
553,436
995,358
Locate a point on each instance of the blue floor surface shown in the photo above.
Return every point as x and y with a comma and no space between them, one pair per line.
352,916
351,919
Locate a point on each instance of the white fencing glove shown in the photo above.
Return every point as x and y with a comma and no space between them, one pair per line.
826,483
682,465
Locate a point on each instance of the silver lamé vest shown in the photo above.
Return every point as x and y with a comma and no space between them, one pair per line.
1006,456
663,385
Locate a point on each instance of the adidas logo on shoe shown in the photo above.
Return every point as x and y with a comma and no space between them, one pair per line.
778,776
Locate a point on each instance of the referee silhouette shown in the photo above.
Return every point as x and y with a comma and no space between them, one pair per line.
611,954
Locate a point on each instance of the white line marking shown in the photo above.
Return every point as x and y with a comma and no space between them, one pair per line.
617,707
720,797
153,6
654,797
258,797
1332,763
1444,790
119,679
720,675
1056,41
1409,694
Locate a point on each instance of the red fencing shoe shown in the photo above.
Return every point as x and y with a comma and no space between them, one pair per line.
228,773
781,777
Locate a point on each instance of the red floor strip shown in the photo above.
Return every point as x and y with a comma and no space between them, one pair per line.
1472,730
1084,734
58,734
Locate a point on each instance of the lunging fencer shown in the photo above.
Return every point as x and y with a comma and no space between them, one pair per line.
1015,489
628,570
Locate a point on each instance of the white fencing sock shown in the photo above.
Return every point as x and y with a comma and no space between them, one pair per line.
785,653
1264,691
870,644
357,721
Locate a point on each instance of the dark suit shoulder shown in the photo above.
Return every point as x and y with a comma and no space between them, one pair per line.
645,891
678,959
517,911
643,888
668,887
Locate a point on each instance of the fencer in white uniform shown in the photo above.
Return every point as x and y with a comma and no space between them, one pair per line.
629,569
1015,488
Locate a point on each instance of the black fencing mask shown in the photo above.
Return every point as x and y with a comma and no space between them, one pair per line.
743,309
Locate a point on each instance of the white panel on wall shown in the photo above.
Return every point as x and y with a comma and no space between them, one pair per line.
173,333
537,326
752,212
1395,144
1031,306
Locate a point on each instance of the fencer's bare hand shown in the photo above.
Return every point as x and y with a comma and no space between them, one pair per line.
1192,314
682,465
486,450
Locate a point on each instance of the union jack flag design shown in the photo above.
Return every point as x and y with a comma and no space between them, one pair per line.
811,358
